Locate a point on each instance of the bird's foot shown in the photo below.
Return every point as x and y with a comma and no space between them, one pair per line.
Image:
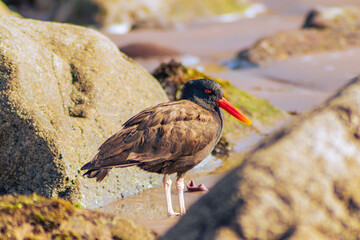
173,214
191,186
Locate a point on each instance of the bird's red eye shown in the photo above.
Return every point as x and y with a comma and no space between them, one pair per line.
208,91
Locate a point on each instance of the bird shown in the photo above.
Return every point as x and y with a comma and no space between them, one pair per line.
171,137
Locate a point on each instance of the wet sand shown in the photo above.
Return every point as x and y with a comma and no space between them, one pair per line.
294,85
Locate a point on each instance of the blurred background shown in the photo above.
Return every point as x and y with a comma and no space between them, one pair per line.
138,13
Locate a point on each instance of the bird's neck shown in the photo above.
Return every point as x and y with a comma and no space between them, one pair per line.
221,116
211,106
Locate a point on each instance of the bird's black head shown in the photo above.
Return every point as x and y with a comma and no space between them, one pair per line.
204,92
209,95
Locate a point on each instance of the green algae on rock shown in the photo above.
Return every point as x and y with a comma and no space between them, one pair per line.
64,90
173,75
36,217
326,29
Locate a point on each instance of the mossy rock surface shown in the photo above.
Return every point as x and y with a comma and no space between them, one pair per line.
36,217
64,90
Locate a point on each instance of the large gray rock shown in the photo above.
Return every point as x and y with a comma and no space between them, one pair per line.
63,91
300,183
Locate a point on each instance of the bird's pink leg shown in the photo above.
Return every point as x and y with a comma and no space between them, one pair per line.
180,190
167,186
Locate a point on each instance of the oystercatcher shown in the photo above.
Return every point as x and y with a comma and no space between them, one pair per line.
168,138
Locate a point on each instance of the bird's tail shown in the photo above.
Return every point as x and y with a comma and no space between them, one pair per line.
99,174
100,167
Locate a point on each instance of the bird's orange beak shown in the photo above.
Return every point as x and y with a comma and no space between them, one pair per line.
227,106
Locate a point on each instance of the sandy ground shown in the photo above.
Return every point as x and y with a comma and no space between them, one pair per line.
294,85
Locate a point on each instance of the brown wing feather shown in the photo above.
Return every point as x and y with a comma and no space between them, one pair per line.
167,131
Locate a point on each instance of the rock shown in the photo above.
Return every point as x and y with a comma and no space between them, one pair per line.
63,91
172,77
346,17
301,182
324,29
36,217
5,11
